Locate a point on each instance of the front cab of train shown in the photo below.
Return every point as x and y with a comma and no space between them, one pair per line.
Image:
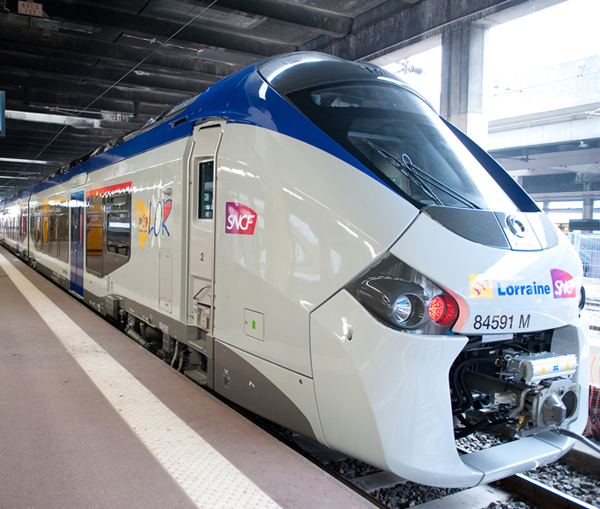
468,323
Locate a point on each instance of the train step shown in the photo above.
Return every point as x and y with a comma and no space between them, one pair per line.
197,376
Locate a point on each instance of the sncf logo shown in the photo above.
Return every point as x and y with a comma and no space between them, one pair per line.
563,284
240,219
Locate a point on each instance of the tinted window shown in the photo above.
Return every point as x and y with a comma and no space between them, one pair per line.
205,207
403,141
108,232
63,237
118,225
94,233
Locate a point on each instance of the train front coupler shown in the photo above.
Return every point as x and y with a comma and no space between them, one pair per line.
529,393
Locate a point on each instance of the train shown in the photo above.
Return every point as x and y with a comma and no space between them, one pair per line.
309,239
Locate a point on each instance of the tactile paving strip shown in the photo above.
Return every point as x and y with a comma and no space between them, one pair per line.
207,477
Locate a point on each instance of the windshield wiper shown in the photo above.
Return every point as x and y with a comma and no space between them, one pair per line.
438,183
423,177
406,170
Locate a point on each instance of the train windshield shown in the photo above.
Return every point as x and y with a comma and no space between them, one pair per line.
402,140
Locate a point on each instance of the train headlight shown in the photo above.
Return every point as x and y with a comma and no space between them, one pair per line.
404,299
402,309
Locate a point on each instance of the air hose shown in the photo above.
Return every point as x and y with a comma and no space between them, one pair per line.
581,438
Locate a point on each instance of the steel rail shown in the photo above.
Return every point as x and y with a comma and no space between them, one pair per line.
540,493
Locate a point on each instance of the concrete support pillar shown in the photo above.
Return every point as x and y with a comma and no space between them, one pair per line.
588,203
462,80
588,208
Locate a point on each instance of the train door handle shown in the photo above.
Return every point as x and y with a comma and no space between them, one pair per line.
199,291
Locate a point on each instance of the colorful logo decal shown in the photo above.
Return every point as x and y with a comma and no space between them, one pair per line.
504,290
240,219
480,287
110,190
152,220
143,221
563,284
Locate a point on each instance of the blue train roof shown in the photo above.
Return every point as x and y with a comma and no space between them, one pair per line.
243,97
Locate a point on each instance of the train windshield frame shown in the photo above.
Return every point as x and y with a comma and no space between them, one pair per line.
401,139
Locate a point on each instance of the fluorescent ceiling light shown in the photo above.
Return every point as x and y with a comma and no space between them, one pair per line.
29,116
24,161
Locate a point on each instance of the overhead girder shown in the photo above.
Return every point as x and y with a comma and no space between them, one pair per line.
76,96
130,49
141,24
149,76
322,21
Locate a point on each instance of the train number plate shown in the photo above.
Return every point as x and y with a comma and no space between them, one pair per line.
501,322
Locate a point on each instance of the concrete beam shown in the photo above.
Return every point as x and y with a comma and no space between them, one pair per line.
562,196
46,26
534,135
408,51
582,160
569,87
420,21
320,20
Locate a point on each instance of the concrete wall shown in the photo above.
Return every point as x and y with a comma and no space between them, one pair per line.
548,106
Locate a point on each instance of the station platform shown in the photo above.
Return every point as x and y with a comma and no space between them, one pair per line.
88,418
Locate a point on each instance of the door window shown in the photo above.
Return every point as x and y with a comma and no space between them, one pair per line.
205,192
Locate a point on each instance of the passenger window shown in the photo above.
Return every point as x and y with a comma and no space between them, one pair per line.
52,240
205,192
32,229
93,232
38,232
119,225
118,232
45,234
108,232
23,235
63,237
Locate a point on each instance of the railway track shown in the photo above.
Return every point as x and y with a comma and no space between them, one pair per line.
541,494
388,491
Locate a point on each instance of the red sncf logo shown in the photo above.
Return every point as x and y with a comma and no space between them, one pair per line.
563,283
240,219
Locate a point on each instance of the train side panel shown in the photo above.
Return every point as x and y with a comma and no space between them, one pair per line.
14,225
294,225
148,272
133,241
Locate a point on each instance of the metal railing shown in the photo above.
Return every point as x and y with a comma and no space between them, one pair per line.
587,246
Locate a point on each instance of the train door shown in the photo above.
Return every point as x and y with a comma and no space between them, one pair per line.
201,231
77,225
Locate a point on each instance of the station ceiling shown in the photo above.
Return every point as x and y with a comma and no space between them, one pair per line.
88,71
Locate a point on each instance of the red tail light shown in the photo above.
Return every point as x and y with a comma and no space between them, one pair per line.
443,310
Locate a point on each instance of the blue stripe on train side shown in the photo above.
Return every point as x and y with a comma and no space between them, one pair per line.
256,103
210,104
241,97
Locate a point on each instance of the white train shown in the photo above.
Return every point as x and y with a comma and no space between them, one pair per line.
310,240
